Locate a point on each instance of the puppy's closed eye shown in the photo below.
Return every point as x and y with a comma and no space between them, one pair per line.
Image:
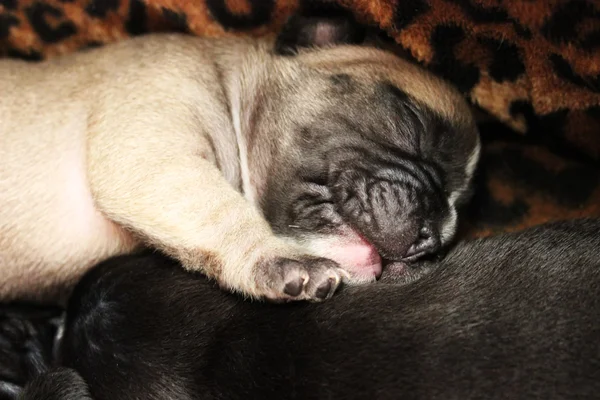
314,209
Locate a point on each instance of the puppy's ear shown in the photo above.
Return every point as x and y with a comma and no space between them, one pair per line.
332,27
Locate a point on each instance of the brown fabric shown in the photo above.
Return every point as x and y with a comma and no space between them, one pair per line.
521,183
534,65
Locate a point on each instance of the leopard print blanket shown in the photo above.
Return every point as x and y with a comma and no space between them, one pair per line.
533,66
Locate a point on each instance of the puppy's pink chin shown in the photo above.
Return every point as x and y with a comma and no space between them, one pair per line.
358,257
355,254
361,260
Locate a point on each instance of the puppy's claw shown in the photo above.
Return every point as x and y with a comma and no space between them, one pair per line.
343,276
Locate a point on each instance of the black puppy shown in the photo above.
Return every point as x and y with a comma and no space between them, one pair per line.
511,317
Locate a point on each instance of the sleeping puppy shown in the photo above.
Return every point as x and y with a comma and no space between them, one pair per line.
510,317
275,166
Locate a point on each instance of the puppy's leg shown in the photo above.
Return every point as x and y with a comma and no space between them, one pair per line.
153,176
59,384
27,333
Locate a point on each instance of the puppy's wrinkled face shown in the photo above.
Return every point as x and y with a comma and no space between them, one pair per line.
377,157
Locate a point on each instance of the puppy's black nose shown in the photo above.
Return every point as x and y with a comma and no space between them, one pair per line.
428,242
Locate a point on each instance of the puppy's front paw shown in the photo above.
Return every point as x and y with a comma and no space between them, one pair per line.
300,278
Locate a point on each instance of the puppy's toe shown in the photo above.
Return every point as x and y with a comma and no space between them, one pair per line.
294,277
325,278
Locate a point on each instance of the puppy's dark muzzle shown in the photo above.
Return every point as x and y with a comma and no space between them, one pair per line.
390,212
428,242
